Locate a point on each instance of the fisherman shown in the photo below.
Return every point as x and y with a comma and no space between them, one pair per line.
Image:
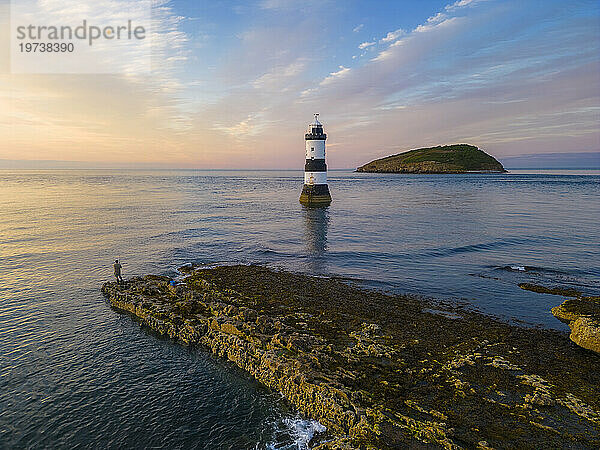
117,267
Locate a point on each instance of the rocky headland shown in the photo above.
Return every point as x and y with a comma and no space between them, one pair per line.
379,370
457,158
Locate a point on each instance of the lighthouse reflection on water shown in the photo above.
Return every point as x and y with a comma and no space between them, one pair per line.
316,223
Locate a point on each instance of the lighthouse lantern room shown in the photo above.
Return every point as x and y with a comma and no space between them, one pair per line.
315,191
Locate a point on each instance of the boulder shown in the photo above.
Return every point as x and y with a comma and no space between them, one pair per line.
582,314
585,332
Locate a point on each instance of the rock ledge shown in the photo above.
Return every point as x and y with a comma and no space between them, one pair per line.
379,370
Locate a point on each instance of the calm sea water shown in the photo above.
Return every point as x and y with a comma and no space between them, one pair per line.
73,372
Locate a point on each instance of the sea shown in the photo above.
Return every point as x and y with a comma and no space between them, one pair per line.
74,373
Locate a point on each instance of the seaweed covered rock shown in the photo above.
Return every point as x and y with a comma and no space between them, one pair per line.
582,314
380,370
556,290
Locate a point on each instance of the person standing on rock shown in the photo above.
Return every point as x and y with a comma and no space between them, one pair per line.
117,267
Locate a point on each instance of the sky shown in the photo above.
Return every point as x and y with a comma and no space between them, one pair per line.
233,84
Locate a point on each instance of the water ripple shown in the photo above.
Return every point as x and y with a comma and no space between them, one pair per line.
74,373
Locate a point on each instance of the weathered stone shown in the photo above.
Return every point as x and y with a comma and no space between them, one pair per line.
231,328
585,332
583,316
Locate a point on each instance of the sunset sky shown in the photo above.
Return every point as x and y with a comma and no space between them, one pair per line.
234,84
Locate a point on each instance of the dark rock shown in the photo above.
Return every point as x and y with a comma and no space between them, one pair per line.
564,291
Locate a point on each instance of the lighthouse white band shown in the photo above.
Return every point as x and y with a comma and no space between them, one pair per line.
315,149
315,178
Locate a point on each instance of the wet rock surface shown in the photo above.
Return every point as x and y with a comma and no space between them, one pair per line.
557,290
380,370
582,314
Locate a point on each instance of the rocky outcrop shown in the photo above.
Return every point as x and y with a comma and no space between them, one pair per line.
556,290
582,314
379,370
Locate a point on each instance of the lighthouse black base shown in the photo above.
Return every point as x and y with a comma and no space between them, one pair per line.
315,195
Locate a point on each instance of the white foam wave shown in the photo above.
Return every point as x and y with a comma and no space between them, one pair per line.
299,433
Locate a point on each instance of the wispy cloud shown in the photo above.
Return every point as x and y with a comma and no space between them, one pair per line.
279,5
279,76
461,4
393,35
366,45
334,76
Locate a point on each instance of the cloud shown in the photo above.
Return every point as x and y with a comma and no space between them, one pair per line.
365,45
279,5
334,76
461,4
439,17
393,35
248,127
279,76
357,28
431,25
276,4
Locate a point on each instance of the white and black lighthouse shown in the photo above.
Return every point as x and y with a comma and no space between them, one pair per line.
315,191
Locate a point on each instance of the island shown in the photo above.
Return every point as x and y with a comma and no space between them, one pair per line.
380,370
457,158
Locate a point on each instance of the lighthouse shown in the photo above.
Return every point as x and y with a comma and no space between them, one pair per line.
315,191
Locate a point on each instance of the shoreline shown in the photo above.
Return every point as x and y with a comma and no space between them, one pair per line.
379,369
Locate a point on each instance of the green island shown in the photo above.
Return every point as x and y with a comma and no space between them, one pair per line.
457,158
381,370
